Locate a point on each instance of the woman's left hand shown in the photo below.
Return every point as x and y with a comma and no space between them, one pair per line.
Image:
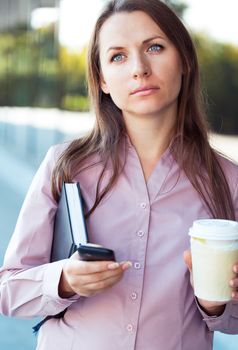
212,308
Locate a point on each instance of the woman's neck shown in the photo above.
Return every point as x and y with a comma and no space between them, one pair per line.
150,137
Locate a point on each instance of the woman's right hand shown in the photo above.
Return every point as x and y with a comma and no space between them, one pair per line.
87,278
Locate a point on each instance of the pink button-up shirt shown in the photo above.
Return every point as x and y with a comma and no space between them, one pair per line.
153,306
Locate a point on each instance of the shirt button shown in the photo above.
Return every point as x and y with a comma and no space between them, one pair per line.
133,296
143,205
137,265
140,233
129,327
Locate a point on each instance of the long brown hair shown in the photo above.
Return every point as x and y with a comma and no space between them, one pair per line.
190,148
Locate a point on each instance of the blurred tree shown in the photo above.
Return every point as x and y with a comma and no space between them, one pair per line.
72,63
28,67
72,70
36,71
219,76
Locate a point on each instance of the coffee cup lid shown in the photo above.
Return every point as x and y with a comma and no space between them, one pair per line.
214,229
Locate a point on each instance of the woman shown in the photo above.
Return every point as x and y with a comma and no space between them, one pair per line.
146,172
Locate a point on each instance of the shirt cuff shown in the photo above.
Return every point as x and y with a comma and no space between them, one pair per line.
219,323
51,280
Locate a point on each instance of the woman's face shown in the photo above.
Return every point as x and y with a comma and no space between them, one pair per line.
140,67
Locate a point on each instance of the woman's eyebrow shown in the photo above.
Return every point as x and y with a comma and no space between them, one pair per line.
143,42
115,48
153,38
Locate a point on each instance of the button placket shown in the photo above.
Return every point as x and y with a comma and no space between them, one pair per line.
134,295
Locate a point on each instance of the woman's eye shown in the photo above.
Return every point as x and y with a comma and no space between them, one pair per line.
117,58
155,48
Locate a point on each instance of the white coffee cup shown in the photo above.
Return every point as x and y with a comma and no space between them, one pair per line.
214,248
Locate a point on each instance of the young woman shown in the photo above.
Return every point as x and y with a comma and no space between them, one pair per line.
146,172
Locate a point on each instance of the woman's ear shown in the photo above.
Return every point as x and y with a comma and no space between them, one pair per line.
104,86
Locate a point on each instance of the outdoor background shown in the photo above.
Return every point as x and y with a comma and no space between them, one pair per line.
43,98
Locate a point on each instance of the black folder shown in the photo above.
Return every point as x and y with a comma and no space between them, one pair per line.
69,227
69,231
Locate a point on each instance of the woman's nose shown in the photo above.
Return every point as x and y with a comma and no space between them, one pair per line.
141,68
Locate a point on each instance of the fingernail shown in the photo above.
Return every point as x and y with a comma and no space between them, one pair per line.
126,265
113,266
231,283
235,269
233,294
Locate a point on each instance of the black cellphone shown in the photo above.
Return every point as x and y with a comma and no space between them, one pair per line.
95,252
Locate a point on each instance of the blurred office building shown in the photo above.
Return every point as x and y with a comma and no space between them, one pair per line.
16,13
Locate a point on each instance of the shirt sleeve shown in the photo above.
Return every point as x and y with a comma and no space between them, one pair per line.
228,321
225,323
28,281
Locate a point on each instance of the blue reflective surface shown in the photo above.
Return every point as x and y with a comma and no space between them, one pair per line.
15,334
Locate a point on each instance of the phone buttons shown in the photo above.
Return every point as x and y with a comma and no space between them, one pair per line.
129,327
140,233
137,265
134,296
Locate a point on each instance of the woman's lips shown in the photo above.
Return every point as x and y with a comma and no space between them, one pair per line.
145,91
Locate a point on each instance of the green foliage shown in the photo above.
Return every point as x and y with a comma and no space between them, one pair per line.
72,70
36,71
75,103
219,76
